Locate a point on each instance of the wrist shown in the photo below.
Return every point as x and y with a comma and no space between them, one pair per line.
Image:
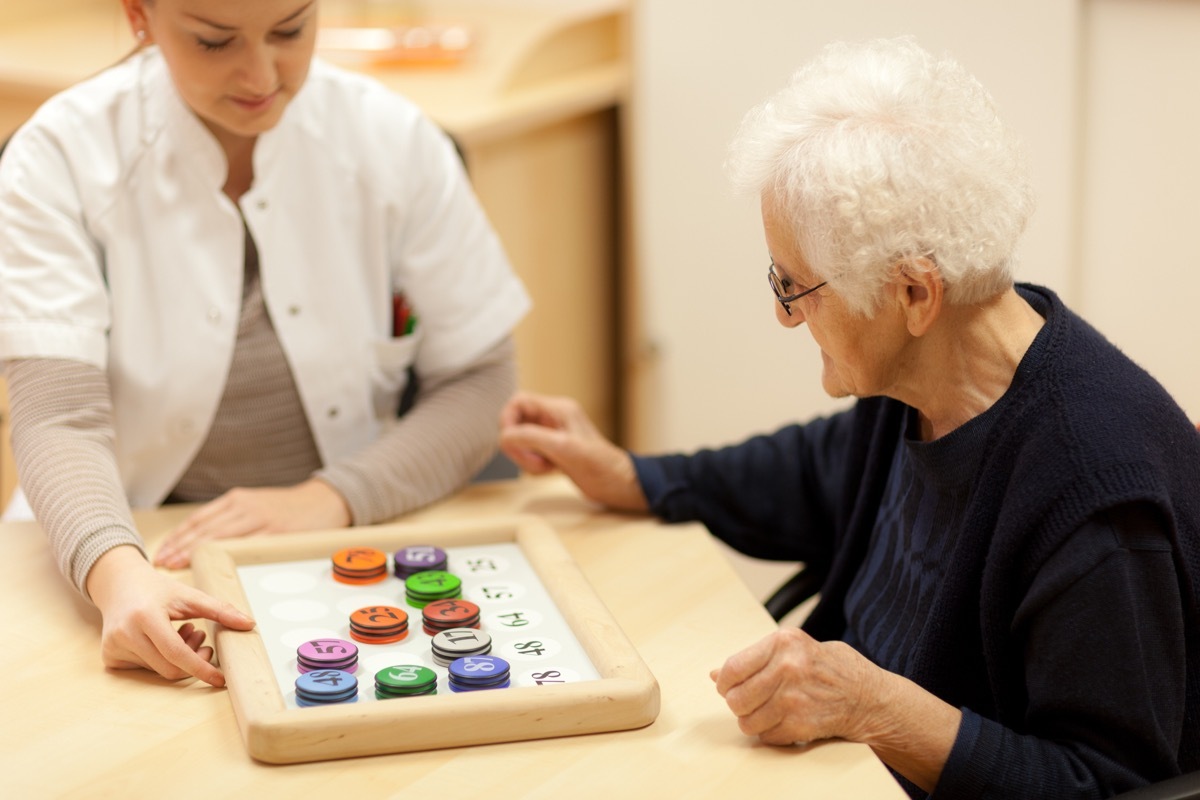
633,497
910,729
332,509
110,570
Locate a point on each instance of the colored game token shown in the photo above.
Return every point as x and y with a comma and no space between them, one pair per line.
335,654
423,588
405,680
458,642
474,673
359,565
379,625
325,686
441,615
419,558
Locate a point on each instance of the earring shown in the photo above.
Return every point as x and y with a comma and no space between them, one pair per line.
141,35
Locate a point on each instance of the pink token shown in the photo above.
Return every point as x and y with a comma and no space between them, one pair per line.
327,654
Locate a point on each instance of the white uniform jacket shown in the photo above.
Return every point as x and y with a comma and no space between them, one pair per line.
118,248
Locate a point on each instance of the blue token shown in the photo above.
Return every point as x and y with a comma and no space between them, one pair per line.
478,668
478,672
300,701
456,688
326,686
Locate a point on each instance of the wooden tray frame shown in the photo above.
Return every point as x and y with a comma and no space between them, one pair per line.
626,695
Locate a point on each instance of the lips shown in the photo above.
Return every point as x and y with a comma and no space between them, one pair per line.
255,103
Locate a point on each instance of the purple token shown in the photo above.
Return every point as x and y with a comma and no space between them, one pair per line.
419,558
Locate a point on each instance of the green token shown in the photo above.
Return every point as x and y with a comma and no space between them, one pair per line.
423,588
380,695
434,583
404,679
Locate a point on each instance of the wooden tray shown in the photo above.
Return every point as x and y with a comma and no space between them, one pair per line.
625,696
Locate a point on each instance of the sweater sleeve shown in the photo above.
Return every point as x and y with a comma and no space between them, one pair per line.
1103,635
62,435
435,448
758,495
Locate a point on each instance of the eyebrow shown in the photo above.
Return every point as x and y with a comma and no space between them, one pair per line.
283,21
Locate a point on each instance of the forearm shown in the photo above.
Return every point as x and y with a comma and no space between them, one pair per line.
755,495
437,447
62,436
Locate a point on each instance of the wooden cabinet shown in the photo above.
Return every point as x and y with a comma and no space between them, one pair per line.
534,106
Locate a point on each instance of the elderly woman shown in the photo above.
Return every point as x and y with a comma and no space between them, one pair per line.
1007,517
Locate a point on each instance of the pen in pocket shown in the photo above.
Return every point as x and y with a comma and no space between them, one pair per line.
403,320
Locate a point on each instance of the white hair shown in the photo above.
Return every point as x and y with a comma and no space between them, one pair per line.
880,152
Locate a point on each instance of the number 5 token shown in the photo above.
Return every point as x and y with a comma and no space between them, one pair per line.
327,654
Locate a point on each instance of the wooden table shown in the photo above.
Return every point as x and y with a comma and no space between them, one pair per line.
73,729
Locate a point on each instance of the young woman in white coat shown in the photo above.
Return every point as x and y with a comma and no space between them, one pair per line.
221,262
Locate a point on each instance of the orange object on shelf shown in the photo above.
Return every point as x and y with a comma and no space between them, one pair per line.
415,45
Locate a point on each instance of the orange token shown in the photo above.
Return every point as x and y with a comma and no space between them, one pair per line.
359,560
360,565
379,619
369,639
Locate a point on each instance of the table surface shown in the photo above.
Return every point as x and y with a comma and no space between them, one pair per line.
73,729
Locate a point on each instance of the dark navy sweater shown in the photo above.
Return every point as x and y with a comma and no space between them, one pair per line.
1065,620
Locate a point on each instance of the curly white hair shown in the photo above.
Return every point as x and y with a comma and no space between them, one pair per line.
879,152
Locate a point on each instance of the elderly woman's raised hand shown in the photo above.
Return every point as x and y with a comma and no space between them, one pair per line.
541,434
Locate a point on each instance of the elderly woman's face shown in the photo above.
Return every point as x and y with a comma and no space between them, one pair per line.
860,356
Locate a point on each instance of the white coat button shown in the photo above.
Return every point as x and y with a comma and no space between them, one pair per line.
262,205
332,412
294,310
214,315
185,427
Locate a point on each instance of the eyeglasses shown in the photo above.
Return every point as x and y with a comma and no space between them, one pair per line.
780,289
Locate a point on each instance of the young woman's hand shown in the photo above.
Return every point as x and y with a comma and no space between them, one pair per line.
312,505
140,607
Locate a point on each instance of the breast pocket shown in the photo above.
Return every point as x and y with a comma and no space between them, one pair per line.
392,359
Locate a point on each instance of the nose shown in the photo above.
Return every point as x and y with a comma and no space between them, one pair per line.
257,72
797,316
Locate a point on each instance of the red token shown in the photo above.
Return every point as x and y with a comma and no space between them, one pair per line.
450,610
450,613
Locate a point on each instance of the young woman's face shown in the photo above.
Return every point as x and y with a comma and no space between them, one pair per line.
237,63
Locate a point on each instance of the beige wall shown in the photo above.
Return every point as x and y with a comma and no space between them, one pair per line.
1104,93
1139,204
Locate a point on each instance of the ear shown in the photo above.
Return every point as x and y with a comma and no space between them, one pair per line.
139,25
920,293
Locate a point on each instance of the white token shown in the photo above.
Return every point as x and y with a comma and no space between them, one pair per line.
515,619
530,649
459,642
